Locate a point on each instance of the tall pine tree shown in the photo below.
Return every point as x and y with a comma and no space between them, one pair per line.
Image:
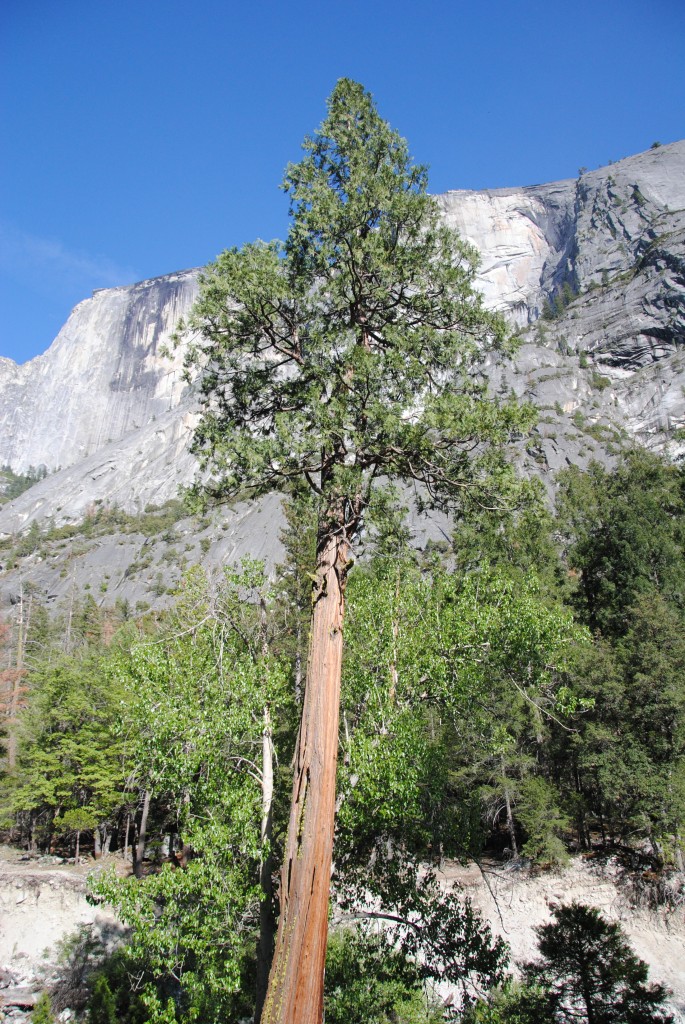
350,353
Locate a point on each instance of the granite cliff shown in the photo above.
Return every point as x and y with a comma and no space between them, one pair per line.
102,379
591,271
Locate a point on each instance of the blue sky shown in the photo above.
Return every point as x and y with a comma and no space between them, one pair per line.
144,136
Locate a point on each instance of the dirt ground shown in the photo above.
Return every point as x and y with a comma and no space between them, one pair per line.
43,901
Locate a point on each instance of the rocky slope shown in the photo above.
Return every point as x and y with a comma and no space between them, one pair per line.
591,271
44,902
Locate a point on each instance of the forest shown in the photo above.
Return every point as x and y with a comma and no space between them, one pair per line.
518,693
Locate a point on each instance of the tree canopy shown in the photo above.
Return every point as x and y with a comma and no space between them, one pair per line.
352,349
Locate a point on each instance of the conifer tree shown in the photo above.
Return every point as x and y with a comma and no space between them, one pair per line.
102,1007
592,972
352,352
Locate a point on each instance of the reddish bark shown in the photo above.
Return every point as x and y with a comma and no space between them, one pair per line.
11,703
295,993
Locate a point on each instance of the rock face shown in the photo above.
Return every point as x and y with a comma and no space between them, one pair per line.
590,271
42,904
618,231
102,379
525,238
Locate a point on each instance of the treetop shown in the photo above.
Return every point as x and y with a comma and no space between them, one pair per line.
354,349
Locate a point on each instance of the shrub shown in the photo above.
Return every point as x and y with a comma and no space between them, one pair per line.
369,981
102,1005
542,821
42,1012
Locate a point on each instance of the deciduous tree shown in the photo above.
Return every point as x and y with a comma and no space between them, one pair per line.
194,722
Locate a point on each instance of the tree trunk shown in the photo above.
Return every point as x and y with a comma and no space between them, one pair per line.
511,828
295,993
580,814
16,677
78,848
679,861
587,993
139,851
267,920
128,827
298,663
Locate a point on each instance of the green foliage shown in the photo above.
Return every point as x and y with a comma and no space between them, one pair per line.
628,755
599,382
194,717
430,926
593,974
100,521
554,307
432,661
13,484
519,540
543,822
392,775
447,682
587,972
76,819
69,775
42,1012
29,543
513,1003
190,931
628,534
371,981
504,700
94,980
102,1005
370,306
294,582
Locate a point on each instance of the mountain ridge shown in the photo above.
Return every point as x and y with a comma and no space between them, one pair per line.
590,271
